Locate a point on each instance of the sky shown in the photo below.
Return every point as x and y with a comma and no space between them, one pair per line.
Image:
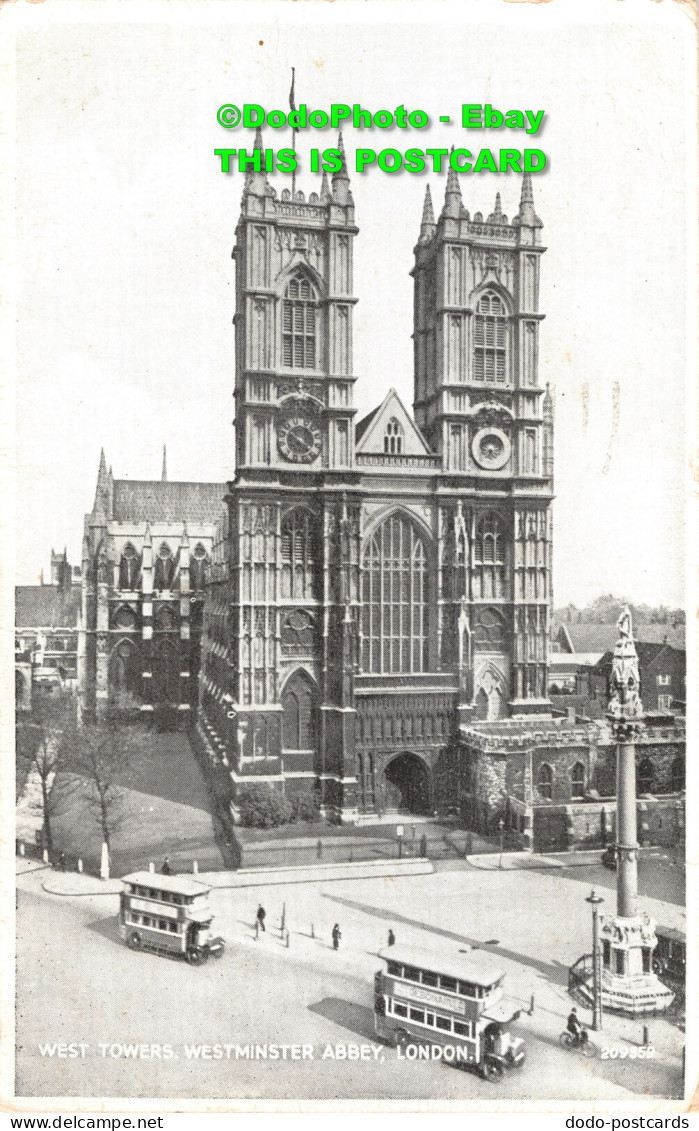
125,225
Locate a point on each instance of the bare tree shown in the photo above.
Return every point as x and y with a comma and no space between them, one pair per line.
40,752
100,755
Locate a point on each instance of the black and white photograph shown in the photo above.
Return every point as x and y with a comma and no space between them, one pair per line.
350,410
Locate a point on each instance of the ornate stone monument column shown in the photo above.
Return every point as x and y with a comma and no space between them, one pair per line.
628,939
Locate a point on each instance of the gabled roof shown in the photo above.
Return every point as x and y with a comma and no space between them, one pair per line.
46,606
370,431
602,637
143,500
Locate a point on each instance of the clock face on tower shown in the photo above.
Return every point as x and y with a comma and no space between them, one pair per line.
299,439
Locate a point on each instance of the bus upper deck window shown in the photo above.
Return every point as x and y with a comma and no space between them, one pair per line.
467,989
411,973
395,968
429,979
447,983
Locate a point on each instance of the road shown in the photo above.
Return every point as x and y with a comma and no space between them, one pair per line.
77,982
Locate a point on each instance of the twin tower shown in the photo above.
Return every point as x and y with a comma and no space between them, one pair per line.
378,584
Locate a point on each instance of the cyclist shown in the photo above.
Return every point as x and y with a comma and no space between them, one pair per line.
574,1027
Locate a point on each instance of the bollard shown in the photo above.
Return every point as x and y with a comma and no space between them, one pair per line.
313,934
646,1036
531,1006
195,867
80,865
283,925
257,929
45,856
21,848
151,867
287,940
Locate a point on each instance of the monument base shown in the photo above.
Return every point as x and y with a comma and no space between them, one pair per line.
629,985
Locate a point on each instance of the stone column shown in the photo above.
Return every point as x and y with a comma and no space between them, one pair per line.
628,938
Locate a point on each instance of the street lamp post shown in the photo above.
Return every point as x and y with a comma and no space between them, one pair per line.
501,826
594,900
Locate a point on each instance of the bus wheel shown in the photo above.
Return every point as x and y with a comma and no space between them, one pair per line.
194,956
492,1071
134,940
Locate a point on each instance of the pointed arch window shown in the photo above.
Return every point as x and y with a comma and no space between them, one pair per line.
128,568
299,554
489,557
299,715
197,567
299,323
395,599
164,568
544,781
124,671
490,340
393,438
577,781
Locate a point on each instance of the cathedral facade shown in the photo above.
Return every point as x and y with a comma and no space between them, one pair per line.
374,587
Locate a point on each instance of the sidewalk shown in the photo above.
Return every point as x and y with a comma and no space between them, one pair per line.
493,861
78,884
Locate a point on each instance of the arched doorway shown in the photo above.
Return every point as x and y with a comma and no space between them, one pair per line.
407,785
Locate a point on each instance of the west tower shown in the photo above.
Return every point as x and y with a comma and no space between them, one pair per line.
478,401
277,684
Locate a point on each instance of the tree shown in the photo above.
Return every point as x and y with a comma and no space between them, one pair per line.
100,754
40,752
261,807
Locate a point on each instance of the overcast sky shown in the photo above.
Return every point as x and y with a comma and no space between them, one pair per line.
125,225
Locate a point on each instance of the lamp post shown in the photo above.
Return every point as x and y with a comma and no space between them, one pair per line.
594,900
501,826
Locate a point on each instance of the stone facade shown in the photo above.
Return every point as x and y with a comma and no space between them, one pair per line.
554,783
376,584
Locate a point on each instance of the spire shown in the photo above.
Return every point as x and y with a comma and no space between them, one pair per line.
256,182
163,477
453,203
427,227
147,540
184,540
497,216
102,473
325,193
526,215
340,179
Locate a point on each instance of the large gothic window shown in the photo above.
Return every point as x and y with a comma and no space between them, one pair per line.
490,340
298,554
489,557
299,324
128,568
197,567
298,705
395,599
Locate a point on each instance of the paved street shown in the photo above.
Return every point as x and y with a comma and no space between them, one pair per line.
77,982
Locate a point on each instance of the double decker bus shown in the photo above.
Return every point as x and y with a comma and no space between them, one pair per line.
169,915
447,1000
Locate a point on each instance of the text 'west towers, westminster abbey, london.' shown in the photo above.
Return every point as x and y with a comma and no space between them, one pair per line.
375,587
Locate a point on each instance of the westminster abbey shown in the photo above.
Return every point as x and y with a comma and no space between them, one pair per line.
337,617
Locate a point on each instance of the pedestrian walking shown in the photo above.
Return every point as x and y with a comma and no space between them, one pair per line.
337,935
261,916
62,861
391,937
166,870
